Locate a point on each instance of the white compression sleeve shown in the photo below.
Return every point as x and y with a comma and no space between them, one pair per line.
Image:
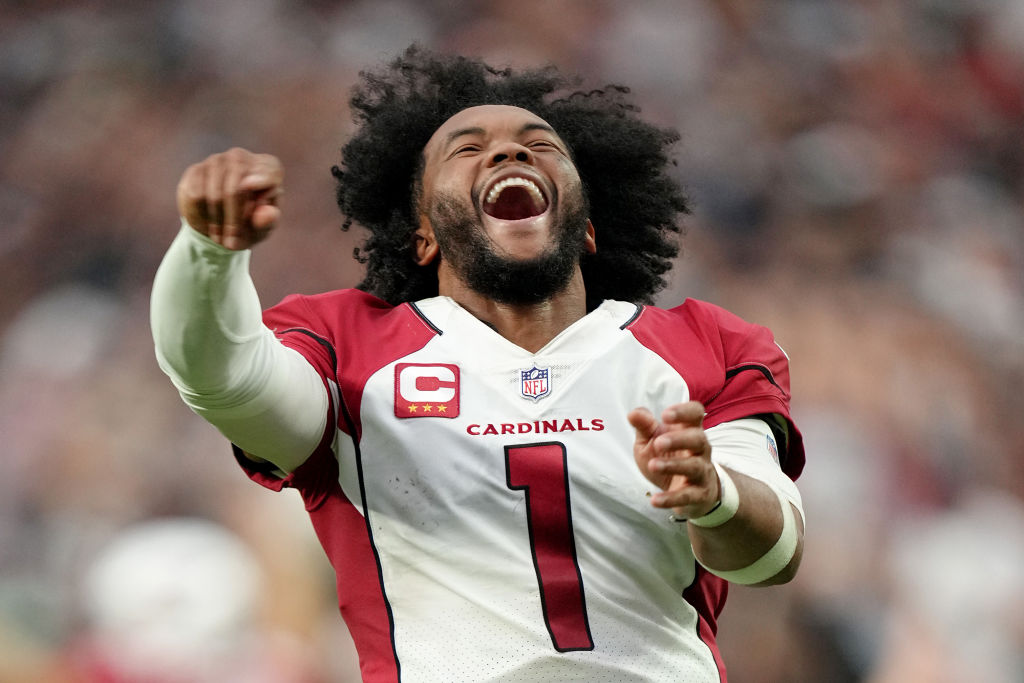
742,446
746,446
228,367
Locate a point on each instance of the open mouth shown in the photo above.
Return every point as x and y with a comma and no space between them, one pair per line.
515,198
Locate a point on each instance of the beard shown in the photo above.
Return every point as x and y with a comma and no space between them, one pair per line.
464,243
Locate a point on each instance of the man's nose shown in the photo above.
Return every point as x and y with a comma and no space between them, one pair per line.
511,151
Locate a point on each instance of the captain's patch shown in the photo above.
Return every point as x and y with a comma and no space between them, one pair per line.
426,390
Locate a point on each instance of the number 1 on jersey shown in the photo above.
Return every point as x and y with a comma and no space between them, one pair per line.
540,471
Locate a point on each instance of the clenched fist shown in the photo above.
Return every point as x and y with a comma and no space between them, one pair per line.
232,197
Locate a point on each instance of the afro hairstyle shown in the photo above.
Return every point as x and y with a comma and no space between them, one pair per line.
622,161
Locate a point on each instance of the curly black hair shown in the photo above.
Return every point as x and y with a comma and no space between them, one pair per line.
622,161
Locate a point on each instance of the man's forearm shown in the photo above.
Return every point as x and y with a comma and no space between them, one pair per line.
228,367
205,314
760,544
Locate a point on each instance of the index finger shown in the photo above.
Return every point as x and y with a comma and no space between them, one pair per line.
264,173
689,414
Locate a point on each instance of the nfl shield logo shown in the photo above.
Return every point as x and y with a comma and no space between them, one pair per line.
773,450
534,383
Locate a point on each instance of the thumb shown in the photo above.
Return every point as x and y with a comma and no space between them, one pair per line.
265,216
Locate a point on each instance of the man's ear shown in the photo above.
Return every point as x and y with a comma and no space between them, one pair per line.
425,243
589,241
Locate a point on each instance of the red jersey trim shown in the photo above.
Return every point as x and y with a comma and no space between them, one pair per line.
340,323
707,595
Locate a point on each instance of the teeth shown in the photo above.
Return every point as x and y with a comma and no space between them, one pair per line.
529,185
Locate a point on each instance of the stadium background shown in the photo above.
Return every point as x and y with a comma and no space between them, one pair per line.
858,176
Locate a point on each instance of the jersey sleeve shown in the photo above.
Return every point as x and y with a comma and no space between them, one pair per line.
297,326
754,382
733,367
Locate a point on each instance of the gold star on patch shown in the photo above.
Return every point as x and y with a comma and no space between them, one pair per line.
442,409
427,407
413,408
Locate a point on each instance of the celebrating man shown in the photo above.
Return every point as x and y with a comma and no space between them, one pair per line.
460,426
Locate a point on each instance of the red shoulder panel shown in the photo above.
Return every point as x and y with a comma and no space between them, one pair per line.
733,367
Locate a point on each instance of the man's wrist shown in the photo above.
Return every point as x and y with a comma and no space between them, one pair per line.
203,242
727,505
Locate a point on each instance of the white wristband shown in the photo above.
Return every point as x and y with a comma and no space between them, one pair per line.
728,503
773,561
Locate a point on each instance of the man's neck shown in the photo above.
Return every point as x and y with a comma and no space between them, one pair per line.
530,326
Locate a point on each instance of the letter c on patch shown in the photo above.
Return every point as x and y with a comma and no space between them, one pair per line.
434,383
426,390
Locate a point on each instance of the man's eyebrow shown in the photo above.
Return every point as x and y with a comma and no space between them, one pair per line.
539,125
477,130
456,134
536,125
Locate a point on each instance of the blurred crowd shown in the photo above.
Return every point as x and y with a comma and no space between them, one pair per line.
857,174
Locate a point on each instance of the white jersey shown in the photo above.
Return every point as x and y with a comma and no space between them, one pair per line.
481,504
